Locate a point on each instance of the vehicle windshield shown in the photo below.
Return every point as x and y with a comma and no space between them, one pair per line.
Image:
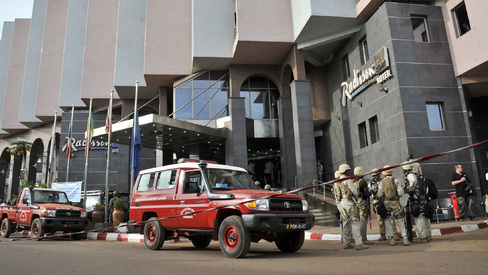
229,179
50,196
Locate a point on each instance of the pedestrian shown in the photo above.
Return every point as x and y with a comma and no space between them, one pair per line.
268,171
419,203
390,192
111,206
362,202
346,196
250,168
464,193
320,171
379,208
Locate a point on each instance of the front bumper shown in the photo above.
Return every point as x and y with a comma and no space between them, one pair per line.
64,224
278,222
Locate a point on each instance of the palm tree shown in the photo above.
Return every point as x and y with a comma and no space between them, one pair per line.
20,148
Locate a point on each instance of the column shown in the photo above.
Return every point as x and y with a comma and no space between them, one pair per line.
236,144
287,143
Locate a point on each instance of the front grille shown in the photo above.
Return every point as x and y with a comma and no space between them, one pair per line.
68,213
285,204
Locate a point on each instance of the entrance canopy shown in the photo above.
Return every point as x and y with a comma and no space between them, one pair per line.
160,132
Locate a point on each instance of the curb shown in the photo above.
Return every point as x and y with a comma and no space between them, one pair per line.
435,232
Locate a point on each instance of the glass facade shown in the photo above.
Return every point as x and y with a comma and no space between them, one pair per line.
204,97
260,96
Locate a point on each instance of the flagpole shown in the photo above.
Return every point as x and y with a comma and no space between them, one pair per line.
133,170
69,142
87,151
109,134
51,151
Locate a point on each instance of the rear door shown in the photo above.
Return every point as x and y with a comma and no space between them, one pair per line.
24,212
189,202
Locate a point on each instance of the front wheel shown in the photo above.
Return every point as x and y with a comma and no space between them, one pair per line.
201,241
291,242
234,238
6,228
154,234
37,231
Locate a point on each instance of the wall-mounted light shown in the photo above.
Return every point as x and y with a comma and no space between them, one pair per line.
338,119
383,88
360,104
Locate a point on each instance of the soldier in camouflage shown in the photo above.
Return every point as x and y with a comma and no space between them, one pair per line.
362,202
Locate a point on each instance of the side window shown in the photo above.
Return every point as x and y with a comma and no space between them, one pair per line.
462,19
420,29
435,116
363,50
166,179
374,131
26,199
363,138
193,180
346,72
146,182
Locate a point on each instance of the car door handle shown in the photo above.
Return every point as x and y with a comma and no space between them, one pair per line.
182,202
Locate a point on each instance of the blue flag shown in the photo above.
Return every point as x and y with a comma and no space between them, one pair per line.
135,146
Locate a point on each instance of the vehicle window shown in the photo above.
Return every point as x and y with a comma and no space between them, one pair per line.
50,196
193,182
166,179
26,198
229,179
146,182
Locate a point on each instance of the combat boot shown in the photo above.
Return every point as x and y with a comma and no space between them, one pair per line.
405,242
392,242
361,247
423,240
348,246
367,242
396,237
382,238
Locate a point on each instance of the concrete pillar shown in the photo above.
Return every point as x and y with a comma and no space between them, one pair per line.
236,144
10,177
287,143
303,132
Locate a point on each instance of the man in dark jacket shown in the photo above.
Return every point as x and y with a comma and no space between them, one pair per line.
464,193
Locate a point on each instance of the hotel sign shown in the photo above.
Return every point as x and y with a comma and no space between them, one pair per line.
378,72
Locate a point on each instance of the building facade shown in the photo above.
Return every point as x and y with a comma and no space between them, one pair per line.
279,84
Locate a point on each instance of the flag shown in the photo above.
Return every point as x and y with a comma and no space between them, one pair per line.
89,133
136,146
68,142
108,120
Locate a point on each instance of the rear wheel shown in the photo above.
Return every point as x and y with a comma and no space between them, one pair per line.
6,228
291,242
154,234
234,238
37,231
201,241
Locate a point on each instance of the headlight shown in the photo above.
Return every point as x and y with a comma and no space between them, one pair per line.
260,204
83,214
49,213
304,205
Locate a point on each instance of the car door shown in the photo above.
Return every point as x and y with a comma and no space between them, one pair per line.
191,200
24,212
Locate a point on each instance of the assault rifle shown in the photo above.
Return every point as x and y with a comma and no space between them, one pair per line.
408,218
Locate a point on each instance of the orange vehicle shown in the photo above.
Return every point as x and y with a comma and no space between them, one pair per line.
42,211
207,201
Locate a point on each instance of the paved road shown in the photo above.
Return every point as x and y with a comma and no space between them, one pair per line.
463,253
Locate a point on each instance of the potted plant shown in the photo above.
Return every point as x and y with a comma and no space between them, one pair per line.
98,213
118,214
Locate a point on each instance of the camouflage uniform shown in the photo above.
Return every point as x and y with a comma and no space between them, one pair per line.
394,208
374,200
362,203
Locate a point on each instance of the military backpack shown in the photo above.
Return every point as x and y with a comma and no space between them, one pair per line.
389,187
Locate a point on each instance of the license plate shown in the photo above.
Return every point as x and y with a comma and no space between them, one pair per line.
296,226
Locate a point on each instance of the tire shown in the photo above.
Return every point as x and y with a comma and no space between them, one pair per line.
234,239
6,228
37,230
291,242
201,241
154,234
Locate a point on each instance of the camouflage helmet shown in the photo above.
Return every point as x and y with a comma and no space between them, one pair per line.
407,167
337,174
343,168
388,172
375,173
358,170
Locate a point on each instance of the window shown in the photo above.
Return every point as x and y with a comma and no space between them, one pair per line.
374,131
166,179
146,182
462,19
203,97
363,50
363,138
260,96
420,30
345,67
434,116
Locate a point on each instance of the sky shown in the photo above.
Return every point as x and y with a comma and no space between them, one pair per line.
11,9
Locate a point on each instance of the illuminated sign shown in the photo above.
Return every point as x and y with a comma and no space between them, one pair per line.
363,79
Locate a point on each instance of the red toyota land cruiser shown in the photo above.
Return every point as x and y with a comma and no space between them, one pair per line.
207,201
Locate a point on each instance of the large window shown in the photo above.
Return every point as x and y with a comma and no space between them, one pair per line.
204,97
261,97
420,29
363,50
363,137
345,67
435,116
462,19
374,131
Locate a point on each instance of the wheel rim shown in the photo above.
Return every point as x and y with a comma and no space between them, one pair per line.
35,230
151,233
231,237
